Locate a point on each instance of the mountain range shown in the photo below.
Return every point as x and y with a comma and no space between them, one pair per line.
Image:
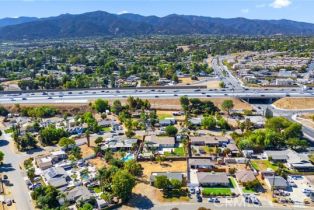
100,23
14,21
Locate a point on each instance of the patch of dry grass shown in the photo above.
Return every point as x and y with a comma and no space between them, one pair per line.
165,166
86,151
98,162
186,81
295,103
174,104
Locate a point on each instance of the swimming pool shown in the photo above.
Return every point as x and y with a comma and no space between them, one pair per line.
127,157
85,176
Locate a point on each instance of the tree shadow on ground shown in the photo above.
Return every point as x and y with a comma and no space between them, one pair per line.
140,201
3,143
6,167
33,151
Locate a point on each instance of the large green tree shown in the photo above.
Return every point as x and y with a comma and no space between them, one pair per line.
227,105
122,184
101,105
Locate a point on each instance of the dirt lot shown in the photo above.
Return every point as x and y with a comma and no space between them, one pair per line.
174,104
11,85
149,167
212,84
86,151
161,104
295,103
162,114
97,162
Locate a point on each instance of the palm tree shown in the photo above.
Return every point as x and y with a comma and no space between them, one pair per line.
87,134
185,143
102,176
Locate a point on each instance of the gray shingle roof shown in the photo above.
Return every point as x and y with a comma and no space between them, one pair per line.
216,178
277,181
169,175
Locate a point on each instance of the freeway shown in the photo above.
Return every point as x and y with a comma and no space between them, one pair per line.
85,95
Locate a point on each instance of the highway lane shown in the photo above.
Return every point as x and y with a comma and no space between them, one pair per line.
52,97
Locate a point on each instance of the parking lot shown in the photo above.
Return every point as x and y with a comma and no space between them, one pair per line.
297,193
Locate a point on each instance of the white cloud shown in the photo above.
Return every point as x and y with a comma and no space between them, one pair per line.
280,3
245,11
122,12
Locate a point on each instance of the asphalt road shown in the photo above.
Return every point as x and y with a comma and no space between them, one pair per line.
11,167
195,206
84,96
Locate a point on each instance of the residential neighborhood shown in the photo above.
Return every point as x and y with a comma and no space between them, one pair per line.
212,157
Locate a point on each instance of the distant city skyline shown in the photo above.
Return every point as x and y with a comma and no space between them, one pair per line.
298,10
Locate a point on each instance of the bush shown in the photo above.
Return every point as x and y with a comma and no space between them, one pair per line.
171,130
39,112
3,111
101,105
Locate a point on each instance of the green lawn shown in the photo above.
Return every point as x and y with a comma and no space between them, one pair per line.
248,190
164,116
9,130
255,165
233,182
97,189
263,165
106,129
216,191
177,152
209,150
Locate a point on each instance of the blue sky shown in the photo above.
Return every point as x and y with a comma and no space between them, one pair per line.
301,10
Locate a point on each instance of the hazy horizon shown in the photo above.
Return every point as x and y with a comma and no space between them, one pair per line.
296,10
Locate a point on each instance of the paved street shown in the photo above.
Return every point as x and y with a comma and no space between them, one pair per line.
231,206
11,168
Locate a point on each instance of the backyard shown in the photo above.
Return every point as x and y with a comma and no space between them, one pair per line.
165,166
262,165
179,151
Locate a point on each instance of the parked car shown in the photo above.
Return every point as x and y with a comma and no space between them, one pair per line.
199,198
